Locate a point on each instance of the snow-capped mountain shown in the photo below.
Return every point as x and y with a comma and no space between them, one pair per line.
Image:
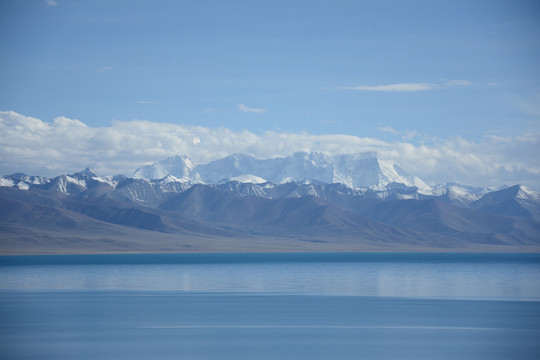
459,194
308,198
516,200
78,182
179,166
22,181
148,192
356,170
301,174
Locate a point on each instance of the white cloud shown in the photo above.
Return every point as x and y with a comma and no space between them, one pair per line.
405,135
66,145
409,134
51,2
405,87
246,109
409,87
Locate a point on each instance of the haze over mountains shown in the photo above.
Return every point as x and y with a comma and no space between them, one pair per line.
305,202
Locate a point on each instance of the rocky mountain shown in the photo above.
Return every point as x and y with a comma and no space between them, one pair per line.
309,205
517,200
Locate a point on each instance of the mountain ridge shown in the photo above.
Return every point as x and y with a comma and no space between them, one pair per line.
107,214
353,170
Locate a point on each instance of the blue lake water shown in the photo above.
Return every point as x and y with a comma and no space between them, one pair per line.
271,306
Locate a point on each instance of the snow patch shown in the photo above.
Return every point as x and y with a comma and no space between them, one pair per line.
525,193
248,178
6,182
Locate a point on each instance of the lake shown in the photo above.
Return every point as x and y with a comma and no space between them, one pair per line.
271,306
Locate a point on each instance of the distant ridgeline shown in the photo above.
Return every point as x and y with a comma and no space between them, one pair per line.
305,202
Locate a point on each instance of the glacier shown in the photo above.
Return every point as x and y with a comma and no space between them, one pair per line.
354,170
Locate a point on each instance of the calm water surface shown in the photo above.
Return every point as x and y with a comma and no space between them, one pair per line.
270,306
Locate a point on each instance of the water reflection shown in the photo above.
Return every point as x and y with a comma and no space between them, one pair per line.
390,279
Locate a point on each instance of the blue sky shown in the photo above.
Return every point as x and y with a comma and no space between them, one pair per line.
422,73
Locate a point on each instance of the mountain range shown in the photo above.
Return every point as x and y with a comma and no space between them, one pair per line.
356,170
304,202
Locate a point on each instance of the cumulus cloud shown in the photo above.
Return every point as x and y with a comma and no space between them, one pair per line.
51,2
244,108
405,87
66,145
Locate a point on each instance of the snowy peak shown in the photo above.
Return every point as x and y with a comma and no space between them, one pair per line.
516,192
248,179
410,180
524,193
301,166
370,170
22,181
89,178
297,167
364,174
356,171
86,173
170,179
67,184
461,195
229,167
516,200
180,166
